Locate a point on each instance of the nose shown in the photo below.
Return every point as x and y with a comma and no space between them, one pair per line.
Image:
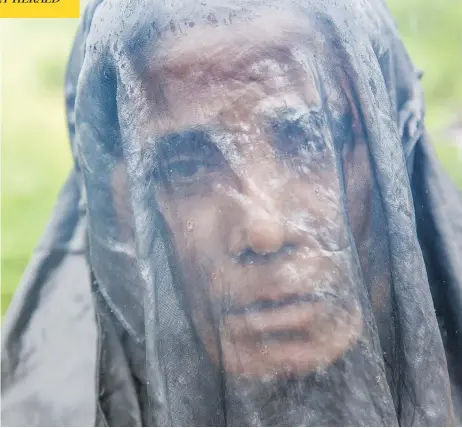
264,231
260,229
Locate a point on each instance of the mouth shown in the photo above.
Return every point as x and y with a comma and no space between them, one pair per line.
301,318
267,305
295,334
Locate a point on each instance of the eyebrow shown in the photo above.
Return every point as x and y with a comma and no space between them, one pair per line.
199,138
182,142
314,117
311,119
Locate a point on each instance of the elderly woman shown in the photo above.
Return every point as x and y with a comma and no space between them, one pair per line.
256,230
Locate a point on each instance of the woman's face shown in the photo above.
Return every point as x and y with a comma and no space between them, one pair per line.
249,191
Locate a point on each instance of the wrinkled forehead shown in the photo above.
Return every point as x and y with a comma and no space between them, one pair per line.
231,72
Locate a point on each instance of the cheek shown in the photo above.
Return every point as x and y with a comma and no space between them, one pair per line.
317,197
314,210
197,224
358,177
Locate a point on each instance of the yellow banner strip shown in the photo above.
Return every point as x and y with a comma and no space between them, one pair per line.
39,8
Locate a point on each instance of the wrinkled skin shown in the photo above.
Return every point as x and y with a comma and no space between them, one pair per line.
250,193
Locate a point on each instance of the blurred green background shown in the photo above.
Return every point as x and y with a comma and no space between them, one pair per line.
35,153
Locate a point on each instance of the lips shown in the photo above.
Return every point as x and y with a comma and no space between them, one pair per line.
269,305
292,318
292,338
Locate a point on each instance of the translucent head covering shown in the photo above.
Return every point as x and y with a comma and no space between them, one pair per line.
251,226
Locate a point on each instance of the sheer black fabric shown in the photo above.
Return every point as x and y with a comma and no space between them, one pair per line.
256,230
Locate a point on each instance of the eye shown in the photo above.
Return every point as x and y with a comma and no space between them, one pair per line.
186,157
295,137
185,169
289,135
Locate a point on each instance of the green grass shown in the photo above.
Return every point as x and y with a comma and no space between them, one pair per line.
35,153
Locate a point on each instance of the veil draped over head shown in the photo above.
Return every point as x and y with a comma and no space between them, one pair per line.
256,230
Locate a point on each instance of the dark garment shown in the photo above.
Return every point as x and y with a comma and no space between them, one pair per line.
104,328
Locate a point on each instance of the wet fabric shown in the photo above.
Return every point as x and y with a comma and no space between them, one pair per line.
256,230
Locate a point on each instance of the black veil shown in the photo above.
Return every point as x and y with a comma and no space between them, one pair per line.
194,125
